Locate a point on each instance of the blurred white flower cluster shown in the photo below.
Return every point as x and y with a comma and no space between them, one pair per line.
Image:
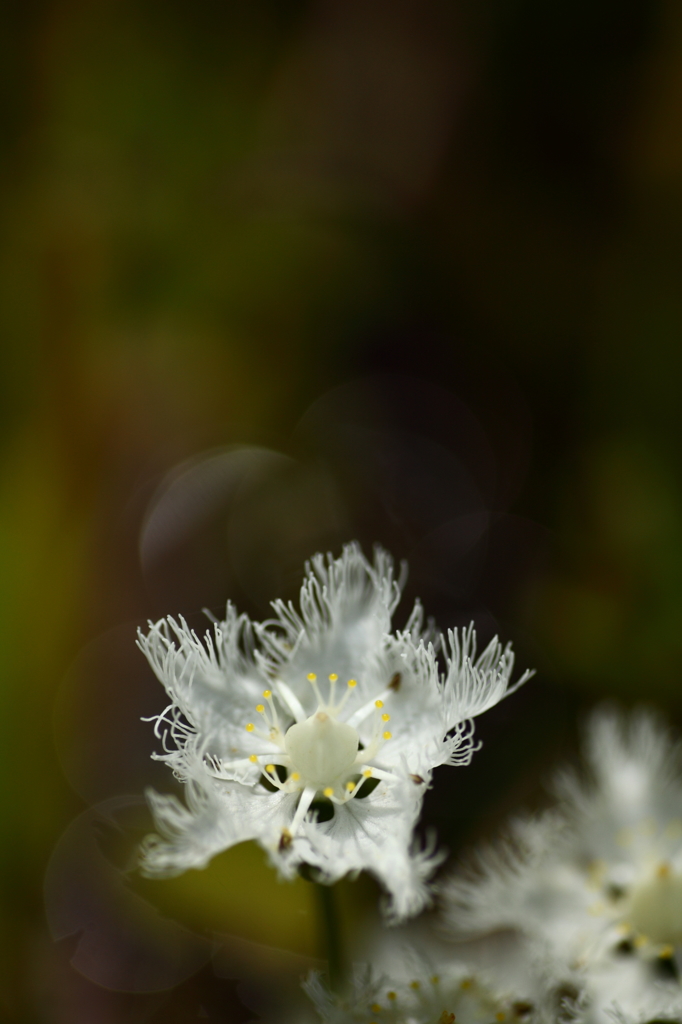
316,732
589,894
453,994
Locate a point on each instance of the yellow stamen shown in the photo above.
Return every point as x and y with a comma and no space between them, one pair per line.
391,996
333,677
253,759
666,952
270,768
295,776
388,735
375,1008
385,718
640,941
328,791
378,703
467,983
367,773
260,709
350,786
352,683
663,870
311,677
499,1016
415,985
250,727
267,693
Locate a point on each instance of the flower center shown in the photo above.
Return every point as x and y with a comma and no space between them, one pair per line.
656,906
322,749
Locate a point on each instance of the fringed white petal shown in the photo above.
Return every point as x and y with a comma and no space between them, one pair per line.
475,684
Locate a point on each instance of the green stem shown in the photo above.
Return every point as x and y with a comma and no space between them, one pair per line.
330,934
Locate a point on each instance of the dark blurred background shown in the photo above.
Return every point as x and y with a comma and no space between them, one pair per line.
275,275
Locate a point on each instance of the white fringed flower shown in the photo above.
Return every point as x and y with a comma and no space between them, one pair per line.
597,883
315,733
440,996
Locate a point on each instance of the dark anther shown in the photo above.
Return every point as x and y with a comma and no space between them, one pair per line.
285,840
615,892
666,968
417,779
395,681
625,947
522,1009
322,808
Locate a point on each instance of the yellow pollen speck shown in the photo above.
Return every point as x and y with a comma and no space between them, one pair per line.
250,727
388,735
253,759
640,941
328,791
367,773
311,677
467,983
350,786
375,1008
270,768
295,776
623,929
391,995
333,677
260,709
666,952
663,870
415,985
352,683
378,703
267,693
385,718
499,1016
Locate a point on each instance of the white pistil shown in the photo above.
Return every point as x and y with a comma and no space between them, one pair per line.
322,749
656,906
318,750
